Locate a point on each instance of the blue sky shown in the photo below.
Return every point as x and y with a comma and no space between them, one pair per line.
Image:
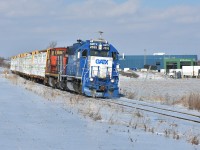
171,26
168,3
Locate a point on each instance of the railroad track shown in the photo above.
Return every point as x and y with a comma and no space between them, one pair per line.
155,109
159,108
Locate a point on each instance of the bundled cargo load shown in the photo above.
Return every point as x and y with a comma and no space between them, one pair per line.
39,64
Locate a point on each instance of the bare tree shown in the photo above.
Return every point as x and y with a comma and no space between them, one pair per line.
1,60
4,63
52,44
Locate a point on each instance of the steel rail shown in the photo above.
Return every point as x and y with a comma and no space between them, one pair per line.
156,112
170,110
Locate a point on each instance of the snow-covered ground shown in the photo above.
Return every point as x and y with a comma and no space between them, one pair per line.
158,88
33,116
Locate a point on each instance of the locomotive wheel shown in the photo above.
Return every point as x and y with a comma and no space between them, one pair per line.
61,85
52,82
45,81
80,88
77,87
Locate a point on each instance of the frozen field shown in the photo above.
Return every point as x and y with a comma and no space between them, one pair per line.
34,116
158,88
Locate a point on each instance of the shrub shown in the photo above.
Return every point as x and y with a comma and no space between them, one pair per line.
129,74
194,101
3,63
95,115
194,140
131,95
138,114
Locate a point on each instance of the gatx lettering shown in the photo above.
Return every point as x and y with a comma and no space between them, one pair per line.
102,61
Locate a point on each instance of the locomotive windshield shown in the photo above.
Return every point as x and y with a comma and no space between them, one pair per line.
99,53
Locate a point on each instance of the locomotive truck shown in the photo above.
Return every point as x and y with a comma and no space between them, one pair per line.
87,67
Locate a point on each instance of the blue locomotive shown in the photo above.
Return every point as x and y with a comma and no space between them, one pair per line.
92,68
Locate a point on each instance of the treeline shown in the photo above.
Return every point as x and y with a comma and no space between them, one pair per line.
4,63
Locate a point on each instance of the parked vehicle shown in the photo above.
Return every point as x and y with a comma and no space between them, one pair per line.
175,73
191,71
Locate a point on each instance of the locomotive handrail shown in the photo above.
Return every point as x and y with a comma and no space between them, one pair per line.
60,73
83,72
115,70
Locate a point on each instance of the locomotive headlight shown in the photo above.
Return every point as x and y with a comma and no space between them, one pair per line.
100,47
91,79
112,80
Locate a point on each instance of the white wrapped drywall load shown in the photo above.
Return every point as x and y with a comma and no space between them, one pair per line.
30,63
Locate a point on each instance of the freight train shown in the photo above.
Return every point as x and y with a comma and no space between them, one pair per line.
87,67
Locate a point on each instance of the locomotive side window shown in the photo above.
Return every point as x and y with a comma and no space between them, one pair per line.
114,55
84,53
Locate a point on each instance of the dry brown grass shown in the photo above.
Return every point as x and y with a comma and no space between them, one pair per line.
161,98
111,120
53,94
6,73
91,111
167,132
13,79
138,114
145,127
129,74
95,116
192,101
152,130
176,135
129,95
194,140
182,101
